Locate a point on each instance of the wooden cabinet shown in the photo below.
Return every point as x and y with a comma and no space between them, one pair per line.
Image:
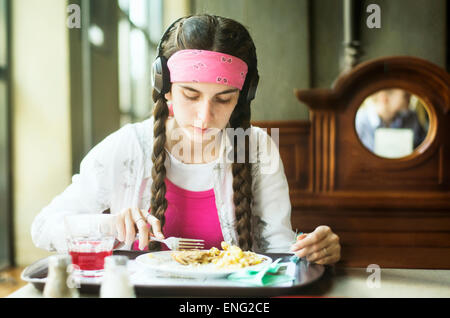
390,212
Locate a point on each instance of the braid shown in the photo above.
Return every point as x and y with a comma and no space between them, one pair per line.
242,183
158,203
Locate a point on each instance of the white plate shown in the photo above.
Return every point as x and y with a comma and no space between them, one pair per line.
163,263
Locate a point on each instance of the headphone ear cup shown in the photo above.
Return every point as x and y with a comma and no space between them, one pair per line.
165,76
157,82
161,75
251,92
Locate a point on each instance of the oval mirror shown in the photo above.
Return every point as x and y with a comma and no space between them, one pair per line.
391,123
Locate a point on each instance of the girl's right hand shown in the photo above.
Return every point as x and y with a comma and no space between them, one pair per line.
131,219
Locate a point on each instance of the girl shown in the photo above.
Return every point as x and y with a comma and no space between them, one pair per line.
157,175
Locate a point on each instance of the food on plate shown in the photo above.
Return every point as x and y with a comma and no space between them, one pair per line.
229,256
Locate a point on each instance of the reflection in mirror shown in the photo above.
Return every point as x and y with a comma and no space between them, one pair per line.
392,123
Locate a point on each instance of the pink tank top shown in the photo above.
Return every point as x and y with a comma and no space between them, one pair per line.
191,214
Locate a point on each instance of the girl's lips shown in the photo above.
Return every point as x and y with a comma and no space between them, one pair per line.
200,130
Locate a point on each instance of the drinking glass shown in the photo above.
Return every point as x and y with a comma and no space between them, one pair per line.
90,238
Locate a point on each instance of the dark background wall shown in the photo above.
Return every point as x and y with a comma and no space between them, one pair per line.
299,42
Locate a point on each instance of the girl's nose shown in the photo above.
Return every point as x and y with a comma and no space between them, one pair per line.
205,113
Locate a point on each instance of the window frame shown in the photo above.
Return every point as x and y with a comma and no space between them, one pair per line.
131,115
6,209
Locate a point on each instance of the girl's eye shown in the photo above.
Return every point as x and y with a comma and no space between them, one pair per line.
222,101
191,97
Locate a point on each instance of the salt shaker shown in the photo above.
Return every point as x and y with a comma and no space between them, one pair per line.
116,280
57,284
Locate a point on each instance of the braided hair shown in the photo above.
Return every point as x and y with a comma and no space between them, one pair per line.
213,33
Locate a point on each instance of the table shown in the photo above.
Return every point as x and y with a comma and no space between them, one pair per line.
354,282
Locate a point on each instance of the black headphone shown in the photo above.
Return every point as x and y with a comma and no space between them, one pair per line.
161,74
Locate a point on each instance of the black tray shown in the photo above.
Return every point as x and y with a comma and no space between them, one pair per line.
305,274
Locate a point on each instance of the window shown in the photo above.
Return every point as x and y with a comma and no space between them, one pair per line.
110,68
139,30
5,167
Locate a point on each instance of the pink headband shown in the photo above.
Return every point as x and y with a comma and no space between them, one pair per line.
207,66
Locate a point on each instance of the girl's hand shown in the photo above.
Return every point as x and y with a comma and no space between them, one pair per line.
131,219
321,246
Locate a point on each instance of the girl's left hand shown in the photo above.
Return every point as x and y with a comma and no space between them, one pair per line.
321,246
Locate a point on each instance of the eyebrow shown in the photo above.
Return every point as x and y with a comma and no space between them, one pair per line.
232,90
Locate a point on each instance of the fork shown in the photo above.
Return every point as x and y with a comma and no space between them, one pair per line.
173,243
179,243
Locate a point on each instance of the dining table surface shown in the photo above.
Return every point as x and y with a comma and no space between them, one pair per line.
348,282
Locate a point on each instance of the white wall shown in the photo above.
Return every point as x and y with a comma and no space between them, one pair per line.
174,9
41,110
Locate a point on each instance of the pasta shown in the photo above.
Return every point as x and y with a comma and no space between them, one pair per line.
229,256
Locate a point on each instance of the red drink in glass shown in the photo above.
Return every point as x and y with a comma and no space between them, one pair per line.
89,261
90,238
88,255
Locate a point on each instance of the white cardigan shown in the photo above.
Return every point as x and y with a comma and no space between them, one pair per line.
116,174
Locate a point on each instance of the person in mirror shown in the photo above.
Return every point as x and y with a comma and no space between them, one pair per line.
389,108
148,172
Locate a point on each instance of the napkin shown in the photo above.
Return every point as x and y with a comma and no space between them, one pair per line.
266,275
295,259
